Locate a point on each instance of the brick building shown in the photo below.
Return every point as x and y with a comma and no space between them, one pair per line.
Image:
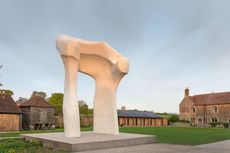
130,118
10,119
37,114
205,108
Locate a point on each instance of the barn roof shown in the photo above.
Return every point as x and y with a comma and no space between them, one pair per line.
136,113
7,105
211,99
36,101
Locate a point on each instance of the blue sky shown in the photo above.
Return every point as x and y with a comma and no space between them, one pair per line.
170,45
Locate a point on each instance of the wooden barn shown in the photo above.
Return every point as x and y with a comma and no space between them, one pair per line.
10,119
37,114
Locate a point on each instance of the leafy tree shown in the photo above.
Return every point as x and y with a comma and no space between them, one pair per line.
56,100
8,92
173,118
39,93
83,107
21,100
90,112
81,103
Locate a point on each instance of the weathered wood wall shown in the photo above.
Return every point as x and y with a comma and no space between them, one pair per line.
9,122
37,117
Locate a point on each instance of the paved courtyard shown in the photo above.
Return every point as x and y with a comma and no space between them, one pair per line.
218,147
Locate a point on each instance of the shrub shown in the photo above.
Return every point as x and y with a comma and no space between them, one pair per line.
173,118
225,125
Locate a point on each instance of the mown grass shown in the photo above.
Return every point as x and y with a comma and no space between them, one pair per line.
21,146
16,134
184,136
10,145
170,135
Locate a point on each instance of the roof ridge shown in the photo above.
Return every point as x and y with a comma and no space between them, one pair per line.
212,93
36,101
211,98
134,113
8,105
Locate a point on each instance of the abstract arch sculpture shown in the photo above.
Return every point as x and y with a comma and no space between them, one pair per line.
106,66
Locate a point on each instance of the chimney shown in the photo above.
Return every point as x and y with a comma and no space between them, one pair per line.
123,108
186,92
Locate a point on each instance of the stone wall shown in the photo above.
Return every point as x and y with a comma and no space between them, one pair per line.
58,121
206,114
185,109
85,121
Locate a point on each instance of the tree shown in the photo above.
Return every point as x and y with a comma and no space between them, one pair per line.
39,93
83,107
8,92
173,118
56,100
21,100
81,103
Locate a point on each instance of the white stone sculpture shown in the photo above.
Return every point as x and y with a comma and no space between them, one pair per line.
107,67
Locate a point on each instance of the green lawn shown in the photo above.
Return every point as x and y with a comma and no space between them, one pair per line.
16,134
171,135
185,136
20,146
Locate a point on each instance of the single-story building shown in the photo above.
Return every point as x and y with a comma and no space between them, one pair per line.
10,119
37,114
130,118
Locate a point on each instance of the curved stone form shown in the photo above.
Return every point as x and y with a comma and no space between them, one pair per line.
106,66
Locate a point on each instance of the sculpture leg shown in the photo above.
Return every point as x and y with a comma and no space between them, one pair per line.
70,102
105,110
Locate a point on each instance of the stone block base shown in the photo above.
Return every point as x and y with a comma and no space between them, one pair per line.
90,140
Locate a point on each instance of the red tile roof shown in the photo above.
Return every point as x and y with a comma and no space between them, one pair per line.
212,98
7,105
36,101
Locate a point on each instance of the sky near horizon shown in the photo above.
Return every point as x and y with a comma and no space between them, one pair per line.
170,45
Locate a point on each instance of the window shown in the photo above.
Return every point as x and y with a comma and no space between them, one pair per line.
214,109
193,120
214,120
200,121
193,110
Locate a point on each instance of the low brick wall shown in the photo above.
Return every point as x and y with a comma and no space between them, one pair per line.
180,124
